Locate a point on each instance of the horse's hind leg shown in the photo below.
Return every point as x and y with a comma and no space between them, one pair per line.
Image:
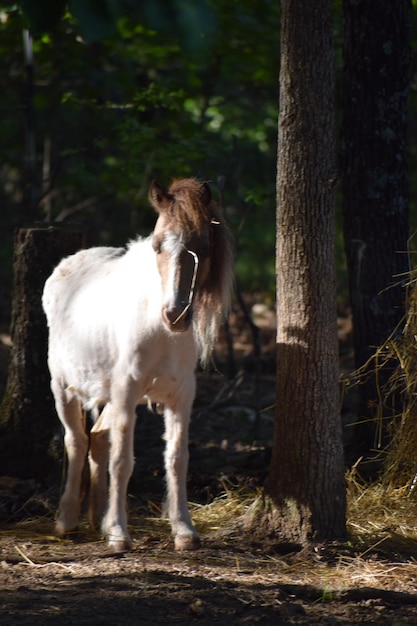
76,445
98,459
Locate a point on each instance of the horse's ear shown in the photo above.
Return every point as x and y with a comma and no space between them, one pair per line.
205,194
157,196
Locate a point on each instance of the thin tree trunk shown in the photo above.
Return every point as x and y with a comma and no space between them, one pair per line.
377,73
305,488
28,420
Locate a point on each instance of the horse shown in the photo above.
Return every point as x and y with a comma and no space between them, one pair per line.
127,327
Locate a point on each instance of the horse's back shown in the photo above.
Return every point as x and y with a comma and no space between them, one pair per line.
75,272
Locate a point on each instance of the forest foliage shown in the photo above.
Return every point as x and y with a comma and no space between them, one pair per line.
124,92
110,115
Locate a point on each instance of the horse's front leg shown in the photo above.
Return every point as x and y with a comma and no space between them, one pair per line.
176,466
114,524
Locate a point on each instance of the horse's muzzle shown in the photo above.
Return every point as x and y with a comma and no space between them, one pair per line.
177,319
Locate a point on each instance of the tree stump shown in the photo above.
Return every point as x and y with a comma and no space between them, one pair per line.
28,422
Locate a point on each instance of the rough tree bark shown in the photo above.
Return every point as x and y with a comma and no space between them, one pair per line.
377,57
28,420
305,489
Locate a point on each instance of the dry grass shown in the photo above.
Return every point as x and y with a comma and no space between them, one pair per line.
355,581
381,553
382,520
399,353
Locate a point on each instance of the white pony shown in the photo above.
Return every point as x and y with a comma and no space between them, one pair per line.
126,327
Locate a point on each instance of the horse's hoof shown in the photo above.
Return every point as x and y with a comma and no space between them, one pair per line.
187,542
64,533
120,546
59,531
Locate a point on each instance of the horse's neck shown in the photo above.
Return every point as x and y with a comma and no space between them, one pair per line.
140,266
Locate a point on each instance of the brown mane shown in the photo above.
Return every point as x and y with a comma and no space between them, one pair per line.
188,203
191,205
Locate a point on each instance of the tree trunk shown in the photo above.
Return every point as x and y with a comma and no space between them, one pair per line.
305,488
377,74
28,420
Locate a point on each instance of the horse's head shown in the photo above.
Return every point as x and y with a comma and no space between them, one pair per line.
182,243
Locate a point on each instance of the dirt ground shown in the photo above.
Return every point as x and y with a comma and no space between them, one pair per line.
42,581
230,579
